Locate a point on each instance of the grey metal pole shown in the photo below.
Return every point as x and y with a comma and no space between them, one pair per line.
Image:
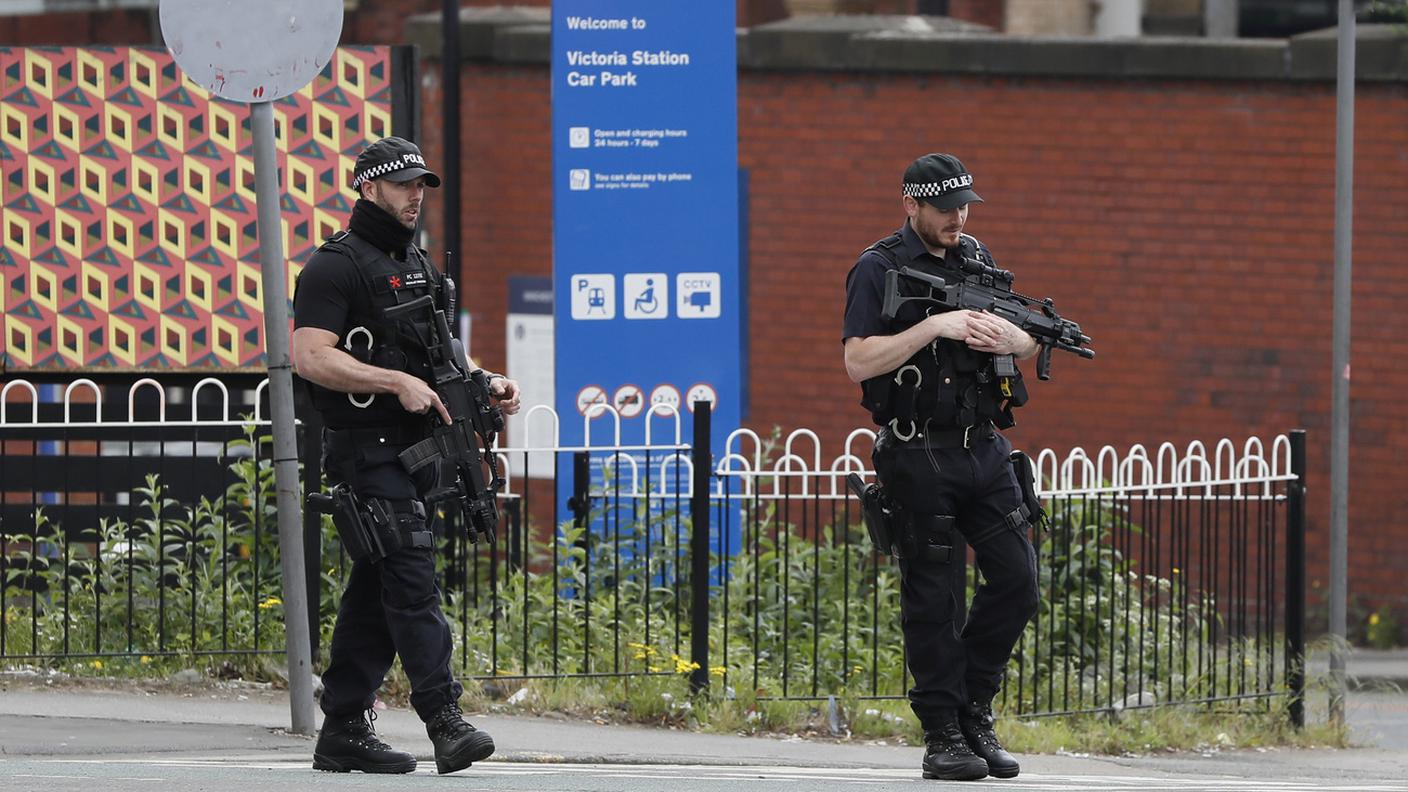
450,79
1339,423
271,262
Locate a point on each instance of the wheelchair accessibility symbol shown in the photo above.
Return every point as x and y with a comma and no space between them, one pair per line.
647,295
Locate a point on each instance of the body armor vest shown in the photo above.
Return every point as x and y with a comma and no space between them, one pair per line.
946,383
372,338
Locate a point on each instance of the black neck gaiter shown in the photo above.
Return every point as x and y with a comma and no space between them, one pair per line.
377,226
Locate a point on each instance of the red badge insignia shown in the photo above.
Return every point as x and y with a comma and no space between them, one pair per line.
395,281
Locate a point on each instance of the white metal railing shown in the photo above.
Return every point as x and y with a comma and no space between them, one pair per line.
88,386
767,470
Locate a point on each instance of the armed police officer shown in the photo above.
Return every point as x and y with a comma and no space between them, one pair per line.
940,386
368,376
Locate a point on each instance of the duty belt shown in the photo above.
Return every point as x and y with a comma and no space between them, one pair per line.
396,434
954,437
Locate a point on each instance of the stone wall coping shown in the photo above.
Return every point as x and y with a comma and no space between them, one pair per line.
520,35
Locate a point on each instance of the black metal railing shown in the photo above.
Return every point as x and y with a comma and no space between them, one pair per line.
153,537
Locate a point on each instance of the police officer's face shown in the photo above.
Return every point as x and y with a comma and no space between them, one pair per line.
938,228
401,200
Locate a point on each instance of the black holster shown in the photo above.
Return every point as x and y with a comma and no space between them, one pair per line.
370,528
1026,479
885,519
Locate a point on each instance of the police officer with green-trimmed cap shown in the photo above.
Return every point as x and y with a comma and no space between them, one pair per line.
930,384
369,376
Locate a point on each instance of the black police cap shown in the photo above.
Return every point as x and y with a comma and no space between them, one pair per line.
941,181
393,158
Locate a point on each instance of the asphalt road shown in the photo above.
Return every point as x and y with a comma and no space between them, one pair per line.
287,775
81,740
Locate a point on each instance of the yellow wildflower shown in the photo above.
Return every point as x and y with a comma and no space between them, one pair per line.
1373,620
269,603
718,671
146,660
98,664
683,666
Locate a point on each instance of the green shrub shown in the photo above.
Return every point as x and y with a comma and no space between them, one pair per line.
805,611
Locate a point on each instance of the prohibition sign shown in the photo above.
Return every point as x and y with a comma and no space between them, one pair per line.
586,397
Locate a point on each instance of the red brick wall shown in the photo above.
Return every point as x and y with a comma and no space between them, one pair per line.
1187,225
384,21
77,29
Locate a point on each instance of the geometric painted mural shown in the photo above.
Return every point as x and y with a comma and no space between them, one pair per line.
127,207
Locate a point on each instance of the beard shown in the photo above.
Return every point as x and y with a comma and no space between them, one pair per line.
933,234
399,214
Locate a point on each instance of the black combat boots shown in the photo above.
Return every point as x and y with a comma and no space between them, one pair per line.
349,743
457,744
976,720
948,757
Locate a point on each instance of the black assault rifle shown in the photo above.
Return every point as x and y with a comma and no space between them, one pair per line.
987,288
474,420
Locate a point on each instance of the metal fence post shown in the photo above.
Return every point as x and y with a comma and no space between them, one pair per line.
580,503
703,459
1295,581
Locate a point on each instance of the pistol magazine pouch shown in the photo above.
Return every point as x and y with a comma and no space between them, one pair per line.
934,538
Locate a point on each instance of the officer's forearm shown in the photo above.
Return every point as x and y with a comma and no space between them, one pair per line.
336,370
1030,350
875,355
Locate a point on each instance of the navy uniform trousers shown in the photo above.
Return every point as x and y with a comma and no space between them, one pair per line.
952,661
391,607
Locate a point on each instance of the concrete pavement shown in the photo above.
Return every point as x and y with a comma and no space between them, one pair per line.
76,721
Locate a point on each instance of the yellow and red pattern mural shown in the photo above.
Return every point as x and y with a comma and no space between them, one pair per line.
127,208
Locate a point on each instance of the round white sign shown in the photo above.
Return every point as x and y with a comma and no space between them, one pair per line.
700,392
586,397
665,394
251,50
629,401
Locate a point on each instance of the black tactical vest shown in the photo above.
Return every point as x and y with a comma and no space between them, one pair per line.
945,384
371,338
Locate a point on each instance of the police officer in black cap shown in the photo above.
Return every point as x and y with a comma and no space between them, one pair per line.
931,385
367,377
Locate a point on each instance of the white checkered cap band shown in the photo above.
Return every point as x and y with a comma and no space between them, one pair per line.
377,171
930,190
935,189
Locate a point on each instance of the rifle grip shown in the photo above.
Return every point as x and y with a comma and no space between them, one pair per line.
1043,363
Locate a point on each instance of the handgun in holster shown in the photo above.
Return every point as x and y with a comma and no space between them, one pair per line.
884,518
1026,480
361,525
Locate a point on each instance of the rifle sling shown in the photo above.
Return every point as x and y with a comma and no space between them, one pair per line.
421,454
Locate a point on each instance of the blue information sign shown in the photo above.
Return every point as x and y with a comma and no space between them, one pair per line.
645,215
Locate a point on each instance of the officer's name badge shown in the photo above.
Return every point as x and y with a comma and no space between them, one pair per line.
406,280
